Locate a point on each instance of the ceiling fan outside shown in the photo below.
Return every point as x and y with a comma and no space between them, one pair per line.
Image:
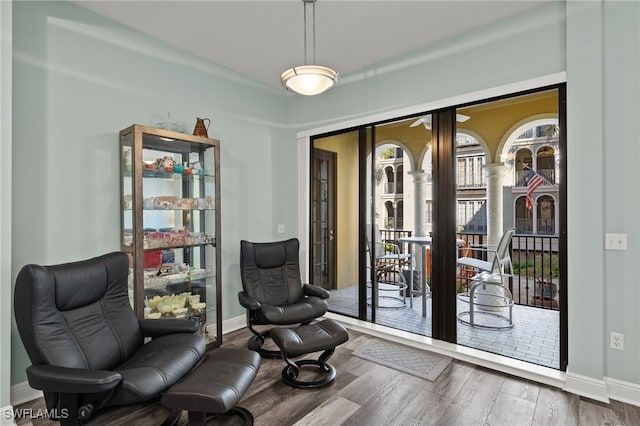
426,120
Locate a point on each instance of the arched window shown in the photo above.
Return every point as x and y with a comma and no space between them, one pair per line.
546,163
546,215
390,186
399,180
523,162
524,217
390,220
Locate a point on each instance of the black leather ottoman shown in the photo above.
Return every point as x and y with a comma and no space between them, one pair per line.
320,336
215,386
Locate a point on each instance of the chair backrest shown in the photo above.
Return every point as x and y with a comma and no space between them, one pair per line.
270,272
77,314
502,250
375,242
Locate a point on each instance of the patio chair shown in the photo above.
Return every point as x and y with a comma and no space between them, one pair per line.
498,257
385,254
389,262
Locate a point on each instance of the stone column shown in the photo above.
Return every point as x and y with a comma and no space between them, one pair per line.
419,203
494,173
419,225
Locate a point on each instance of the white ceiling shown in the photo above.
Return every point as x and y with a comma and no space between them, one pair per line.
261,39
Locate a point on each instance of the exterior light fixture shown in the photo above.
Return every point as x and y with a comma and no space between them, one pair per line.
309,79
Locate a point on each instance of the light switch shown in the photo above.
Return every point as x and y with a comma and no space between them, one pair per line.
615,241
281,228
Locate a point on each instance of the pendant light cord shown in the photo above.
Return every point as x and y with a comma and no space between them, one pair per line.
314,32
313,41
304,11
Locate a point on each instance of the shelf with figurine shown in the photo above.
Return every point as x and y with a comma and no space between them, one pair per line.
153,239
181,305
152,280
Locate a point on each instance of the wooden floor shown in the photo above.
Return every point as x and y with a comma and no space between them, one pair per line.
366,393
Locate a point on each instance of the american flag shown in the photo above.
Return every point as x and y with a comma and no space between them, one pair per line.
533,182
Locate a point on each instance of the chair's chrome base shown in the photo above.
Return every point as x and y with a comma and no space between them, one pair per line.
255,344
292,370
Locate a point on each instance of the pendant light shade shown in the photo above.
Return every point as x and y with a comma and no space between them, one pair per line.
309,79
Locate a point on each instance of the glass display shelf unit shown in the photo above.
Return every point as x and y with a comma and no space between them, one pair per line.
170,225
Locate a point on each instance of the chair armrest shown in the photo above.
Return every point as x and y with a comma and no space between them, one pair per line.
313,290
484,248
248,302
71,380
164,326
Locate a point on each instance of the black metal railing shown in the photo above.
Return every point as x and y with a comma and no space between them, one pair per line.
392,236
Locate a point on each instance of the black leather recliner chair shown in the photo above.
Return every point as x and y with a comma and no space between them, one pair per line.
87,346
273,292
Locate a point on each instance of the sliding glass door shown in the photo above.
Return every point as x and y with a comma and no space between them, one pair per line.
416,193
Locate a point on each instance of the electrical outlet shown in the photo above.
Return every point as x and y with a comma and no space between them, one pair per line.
280,229
615,241
616,341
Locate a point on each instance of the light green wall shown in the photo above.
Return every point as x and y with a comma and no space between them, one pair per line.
620,147
5,200
78,79
585,149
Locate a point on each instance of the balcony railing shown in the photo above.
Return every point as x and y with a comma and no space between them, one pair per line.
544,226
393,188
536,271
392,236
548,174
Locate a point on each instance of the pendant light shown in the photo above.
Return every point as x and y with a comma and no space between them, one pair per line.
309,79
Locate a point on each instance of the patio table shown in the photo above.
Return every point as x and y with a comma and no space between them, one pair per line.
423,242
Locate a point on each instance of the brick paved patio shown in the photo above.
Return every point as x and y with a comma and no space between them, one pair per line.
534,338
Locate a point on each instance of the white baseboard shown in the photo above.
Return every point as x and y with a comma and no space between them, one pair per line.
586,386
626,392
22,392
6,416
233,324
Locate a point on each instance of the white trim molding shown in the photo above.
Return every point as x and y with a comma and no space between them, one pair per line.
626,392
586,386
22,392
233,324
